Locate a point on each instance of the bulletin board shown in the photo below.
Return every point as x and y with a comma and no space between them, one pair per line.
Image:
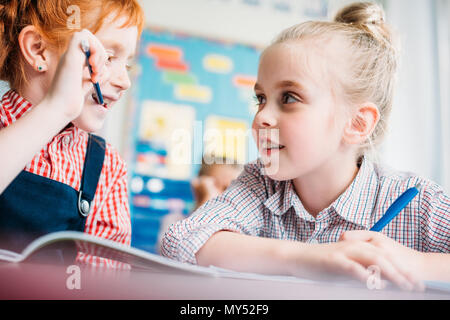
188,93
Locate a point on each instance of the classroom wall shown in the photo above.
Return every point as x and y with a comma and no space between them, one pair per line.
418,139
253,22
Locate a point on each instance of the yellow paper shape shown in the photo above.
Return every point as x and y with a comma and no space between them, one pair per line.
226,138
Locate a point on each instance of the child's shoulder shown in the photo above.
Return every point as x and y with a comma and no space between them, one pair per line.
390,175
113,159
397,181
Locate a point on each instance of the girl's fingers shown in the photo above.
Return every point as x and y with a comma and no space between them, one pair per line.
388,248
390,271
98,55
417,283
402,266
352,268
361,235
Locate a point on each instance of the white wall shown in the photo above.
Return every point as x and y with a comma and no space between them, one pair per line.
232,20
417,134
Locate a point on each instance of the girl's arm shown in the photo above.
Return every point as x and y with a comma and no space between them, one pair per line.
63,103
315,261
244,253
21,140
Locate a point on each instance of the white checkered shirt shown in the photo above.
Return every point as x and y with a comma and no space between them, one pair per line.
256,205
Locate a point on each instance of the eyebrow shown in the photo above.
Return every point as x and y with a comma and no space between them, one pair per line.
257,87
281,84
289,83
117,46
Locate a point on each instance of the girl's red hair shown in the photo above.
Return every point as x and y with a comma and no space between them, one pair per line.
54,21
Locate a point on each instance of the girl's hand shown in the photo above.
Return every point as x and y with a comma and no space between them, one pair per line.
72,81
62,104
352,258
407,260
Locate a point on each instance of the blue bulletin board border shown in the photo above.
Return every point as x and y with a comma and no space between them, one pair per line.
193,78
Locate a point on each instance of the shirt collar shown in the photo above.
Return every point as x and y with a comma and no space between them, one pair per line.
354,205
285,198
13,107
357,202
279,202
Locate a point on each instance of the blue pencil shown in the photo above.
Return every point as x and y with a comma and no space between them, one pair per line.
396,207
87,52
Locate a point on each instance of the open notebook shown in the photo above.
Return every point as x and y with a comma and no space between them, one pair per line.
136,258
99,247
140,259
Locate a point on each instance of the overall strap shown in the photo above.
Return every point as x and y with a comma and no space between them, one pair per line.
93,164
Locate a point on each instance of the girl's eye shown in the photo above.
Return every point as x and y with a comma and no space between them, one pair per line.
110,57
288,98
259,99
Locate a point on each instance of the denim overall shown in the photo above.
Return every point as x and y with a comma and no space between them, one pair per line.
32,205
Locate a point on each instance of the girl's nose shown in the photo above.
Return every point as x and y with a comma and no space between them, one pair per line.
121,79
266,117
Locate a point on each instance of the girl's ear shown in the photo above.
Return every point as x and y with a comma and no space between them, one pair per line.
34,49
361,125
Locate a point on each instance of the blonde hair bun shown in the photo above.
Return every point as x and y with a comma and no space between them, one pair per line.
361,13
368,16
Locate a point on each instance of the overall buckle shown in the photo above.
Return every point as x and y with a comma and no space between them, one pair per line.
83,206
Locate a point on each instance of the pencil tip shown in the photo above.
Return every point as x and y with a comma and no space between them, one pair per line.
419,186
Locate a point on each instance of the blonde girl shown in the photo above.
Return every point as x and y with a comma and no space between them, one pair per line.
324,92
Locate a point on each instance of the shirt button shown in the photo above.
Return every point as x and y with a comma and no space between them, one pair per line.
313,241
66,140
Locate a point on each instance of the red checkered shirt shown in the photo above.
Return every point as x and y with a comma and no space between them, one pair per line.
62,160
256,205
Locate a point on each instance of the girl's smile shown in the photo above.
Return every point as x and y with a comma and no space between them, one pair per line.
268,147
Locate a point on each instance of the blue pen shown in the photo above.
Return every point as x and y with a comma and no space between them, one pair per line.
396,207
87,52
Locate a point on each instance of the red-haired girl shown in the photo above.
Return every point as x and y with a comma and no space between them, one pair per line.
55,174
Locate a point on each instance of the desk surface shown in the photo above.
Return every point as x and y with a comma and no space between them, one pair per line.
42,281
